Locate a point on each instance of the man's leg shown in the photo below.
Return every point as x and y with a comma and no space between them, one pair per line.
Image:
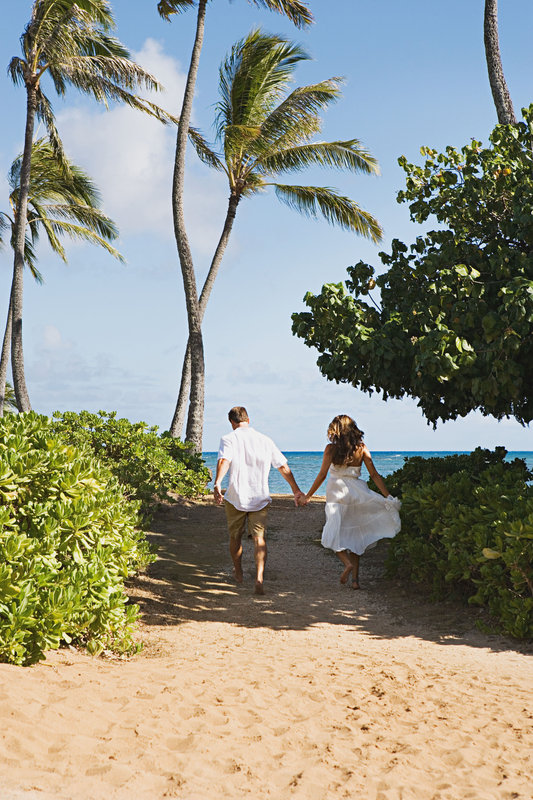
257,527
236,521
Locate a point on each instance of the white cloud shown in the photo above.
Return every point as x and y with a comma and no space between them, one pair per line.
62,375
52,339
130,156
166,70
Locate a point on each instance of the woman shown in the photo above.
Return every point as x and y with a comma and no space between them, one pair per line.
356,517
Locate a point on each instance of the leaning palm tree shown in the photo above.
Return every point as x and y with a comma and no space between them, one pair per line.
62,201
71,41
498,85
298,12
263,130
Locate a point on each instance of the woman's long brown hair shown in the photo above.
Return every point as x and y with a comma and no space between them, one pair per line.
345,437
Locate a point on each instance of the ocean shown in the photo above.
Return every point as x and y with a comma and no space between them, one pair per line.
305,465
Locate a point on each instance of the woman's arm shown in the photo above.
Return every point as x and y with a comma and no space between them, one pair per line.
321,477
374,474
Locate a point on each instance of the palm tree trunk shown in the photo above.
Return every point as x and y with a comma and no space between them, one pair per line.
194,430
178,420
4,359
17,288
500,92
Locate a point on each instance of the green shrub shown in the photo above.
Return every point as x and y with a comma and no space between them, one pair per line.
418,470
469,533
148,466
68,539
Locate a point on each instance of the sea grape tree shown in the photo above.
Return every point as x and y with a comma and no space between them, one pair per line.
454,326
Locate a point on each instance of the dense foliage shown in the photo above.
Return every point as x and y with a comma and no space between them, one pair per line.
149,467
68,540
467,530
455,325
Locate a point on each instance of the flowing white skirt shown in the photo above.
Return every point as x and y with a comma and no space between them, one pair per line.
357,517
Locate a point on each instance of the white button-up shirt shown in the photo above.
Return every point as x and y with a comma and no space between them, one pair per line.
251,454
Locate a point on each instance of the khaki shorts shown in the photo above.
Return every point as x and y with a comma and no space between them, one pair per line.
237,521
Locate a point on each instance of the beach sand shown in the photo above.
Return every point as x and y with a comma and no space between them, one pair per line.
313,691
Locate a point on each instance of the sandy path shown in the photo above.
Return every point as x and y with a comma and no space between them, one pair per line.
313,691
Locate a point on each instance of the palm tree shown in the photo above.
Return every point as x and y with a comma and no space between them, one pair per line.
62,200
264,130
298,13
500,92
71,41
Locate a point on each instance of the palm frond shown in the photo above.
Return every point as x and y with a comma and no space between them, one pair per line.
4,226
336,209
91,218
10,402
295,10
33,227
80,232
45,113
110,68
240,138
51,232
168,7
253,184
298,115
62,199
56,28
30,240
71,41
30,259
108,80
97,11
254,77
16,71
349,155
204,152
52,178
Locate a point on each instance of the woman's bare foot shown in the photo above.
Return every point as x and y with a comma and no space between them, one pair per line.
259,589
237,573
346,574
354,560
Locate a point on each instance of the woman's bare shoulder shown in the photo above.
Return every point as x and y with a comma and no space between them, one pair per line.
328,453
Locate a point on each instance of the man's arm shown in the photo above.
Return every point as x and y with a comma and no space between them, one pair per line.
222,468
289,477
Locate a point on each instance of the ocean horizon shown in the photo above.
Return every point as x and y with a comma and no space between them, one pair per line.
306,463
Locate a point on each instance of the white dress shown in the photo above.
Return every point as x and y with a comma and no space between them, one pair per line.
356,517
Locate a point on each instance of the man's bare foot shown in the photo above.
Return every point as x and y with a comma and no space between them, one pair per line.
237,573
259,589
346,574
355,583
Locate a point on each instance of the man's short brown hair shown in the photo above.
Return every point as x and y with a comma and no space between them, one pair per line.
238,414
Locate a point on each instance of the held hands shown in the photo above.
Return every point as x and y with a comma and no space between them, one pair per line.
300,499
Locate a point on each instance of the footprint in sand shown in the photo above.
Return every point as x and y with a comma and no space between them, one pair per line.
97,770
180,745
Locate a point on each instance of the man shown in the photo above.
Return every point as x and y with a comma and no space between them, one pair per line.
248,455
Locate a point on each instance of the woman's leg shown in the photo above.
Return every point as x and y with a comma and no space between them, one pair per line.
344,557
354,560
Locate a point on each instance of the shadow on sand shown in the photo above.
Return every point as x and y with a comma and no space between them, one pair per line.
192,580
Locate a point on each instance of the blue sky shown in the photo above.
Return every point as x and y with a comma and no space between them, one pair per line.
101,335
